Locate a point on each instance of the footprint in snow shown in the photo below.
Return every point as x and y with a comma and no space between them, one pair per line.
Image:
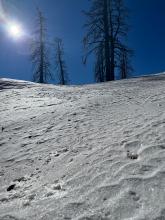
132,145
55,154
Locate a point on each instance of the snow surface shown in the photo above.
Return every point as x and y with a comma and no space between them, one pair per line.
93,152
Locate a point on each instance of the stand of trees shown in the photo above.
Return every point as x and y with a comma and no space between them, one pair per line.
106,33
107,29
40,54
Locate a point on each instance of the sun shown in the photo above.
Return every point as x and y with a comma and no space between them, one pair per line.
15,30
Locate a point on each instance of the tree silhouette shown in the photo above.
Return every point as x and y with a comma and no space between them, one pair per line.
125,68
106,28
100,65
39,51
60,65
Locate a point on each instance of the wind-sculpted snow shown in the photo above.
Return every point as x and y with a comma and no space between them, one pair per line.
94,152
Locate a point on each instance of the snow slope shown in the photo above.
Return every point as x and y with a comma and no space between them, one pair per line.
64,151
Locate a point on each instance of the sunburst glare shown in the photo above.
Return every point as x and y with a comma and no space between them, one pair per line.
15,30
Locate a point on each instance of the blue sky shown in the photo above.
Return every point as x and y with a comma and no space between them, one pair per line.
65,20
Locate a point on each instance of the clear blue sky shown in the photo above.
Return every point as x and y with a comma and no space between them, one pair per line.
65,20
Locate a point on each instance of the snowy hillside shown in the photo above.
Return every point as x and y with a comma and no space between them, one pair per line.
94,152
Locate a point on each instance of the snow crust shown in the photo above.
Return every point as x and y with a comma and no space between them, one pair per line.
94,152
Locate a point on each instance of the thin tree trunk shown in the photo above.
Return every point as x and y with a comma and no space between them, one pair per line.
62,72
61,66
42,52
106,45
112,47
112,69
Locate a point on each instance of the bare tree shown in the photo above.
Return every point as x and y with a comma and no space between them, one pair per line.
39,51
60,64
100,65
125,68
106,27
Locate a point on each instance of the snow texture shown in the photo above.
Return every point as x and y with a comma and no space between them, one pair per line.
93,152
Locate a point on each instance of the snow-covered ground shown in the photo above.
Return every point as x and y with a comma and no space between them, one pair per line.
94,152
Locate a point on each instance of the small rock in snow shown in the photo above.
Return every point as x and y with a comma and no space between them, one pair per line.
57,187
132,156
56,154
11,187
